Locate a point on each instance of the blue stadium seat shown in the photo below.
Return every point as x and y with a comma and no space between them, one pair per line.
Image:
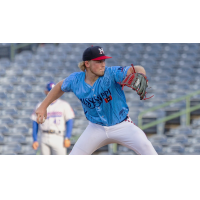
2,141
17,95
17,138
30,103
64,48
49,48
163,79
45,79
11,80
26,88
26,112
9,152
13,103
181,130
159,139
2,72
4,63
24,121
9,112
166,63
34,65
29,139
169,56
43,55
7,88
175,149
196,123
59,56
4,129
36,95
194,150
181,139
11,147
6,120
2,104
29,79
27,150
20,64
178,87
15,72
27,55
21,129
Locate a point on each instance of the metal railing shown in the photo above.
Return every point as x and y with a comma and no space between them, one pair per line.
186,111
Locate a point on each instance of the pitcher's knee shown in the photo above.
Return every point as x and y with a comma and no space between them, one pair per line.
147,148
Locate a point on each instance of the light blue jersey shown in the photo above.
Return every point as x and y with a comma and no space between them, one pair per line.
104,103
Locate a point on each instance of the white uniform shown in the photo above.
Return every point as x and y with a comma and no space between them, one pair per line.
58,113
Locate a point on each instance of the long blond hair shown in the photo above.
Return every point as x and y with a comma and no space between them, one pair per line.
82,66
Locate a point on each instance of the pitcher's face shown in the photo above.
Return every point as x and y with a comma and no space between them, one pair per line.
97,67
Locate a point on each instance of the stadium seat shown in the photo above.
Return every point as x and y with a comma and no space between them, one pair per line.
17,95
21,129
180,139
7,88
196,123
43,55
175,149
24,121
27,55
2,72
4,129
10,80
29,79
49,48
17,138
11,147
186,130
37,64
2,141
20,64
9,112
6,120
159,139
25,88
36,95
4,63
14,72
194,150
26,112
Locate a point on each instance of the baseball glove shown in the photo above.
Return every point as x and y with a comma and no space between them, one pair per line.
137,82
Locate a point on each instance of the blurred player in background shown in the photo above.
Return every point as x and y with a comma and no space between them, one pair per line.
57,129
100,90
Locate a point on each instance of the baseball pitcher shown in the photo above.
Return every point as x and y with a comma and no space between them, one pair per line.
100,90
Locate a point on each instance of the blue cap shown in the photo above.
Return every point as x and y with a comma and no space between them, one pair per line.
50,85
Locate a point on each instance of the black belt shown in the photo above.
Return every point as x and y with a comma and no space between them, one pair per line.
52,131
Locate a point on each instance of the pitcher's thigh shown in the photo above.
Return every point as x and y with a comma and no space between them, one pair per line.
88,142
135,139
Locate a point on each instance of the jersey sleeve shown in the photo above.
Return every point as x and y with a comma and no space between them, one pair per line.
68,83
119,73
69,113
